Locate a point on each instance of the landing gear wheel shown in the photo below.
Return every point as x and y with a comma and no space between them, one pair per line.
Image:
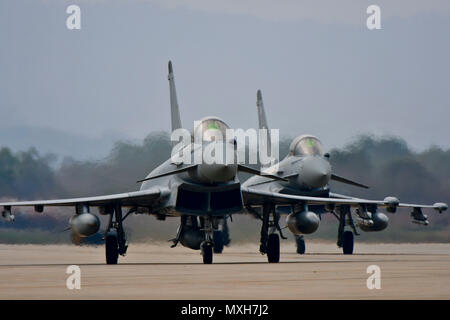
347,246
207,252
111,248
273,248
218,241
301,247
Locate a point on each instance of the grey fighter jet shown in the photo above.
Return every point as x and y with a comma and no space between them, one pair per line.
305,194
202,195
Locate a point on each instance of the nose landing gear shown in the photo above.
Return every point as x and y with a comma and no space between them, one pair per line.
207,252
207,245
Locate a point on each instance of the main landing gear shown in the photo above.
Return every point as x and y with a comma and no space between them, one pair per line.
300,242
273,248
221,236
270,240
115,240
347,243
345,237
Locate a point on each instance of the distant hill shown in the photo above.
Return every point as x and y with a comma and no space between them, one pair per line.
60,143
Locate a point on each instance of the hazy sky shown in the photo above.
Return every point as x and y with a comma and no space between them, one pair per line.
320,69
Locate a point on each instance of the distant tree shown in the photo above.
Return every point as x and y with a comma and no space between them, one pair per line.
386,164
26,174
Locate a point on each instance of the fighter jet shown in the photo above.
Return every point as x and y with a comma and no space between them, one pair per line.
305,195
201,194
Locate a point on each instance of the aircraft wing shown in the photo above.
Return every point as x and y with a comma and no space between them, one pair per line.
128,199
259,197
436,206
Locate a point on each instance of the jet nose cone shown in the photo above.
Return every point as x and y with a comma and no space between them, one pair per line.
217,173
316,172
214,168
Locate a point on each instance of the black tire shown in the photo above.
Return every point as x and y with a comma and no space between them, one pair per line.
226,234
301,246
273,248
111,248
218,241
347,246
207,253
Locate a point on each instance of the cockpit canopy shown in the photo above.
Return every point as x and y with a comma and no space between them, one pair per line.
306,145
210,129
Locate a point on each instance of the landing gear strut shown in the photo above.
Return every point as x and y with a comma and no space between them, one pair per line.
115,240
345,238
180,231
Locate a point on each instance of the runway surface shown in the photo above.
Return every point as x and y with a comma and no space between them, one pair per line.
149,271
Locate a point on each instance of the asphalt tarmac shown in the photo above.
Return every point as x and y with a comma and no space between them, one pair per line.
155,271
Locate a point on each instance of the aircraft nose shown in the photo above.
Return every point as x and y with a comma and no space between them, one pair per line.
218,171
316,172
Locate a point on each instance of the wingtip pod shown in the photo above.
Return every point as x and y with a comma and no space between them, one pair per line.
440,206
393,201
170,67
391,204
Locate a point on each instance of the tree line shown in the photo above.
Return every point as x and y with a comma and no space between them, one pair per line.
387,164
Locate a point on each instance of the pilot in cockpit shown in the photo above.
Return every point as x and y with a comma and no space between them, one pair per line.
210,129
306,146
